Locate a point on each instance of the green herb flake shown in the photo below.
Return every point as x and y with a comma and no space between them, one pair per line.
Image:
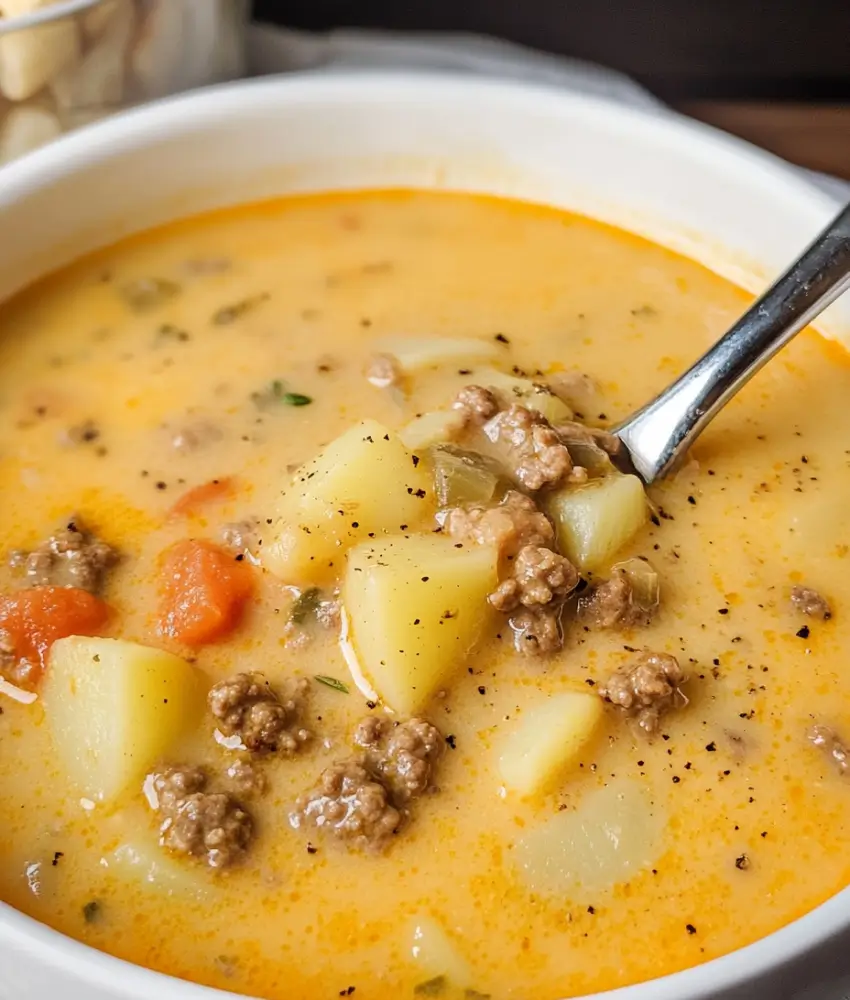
431,987
332,682
296,399
145,294
305,605
236,310
276,392
91,912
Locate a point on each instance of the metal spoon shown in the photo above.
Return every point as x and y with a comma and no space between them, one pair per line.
657,437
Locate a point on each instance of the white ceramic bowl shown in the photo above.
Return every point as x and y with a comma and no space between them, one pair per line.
740,211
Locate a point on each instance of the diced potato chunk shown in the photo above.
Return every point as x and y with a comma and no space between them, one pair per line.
365,482
524,392
595,521
605,839
434,427
116,708
142,862
548,740
416,607
415,353
438,958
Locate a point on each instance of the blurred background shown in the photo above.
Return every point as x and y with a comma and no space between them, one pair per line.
775,72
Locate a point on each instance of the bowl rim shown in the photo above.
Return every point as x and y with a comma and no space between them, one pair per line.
35,941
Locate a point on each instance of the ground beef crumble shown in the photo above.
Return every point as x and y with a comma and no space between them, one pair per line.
612,604
366,799
510,525
810,602
832,745
403,755
246,706
349,802
646,688
71,557
207,825
532,451
540,577
476,404
537,632
246,779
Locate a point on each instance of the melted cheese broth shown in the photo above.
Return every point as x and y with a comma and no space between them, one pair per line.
761,507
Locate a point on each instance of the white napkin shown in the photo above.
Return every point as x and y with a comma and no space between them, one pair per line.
275,50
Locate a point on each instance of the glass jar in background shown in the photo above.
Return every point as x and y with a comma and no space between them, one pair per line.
65,63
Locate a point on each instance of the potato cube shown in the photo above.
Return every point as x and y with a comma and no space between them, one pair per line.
416,607
365,482
595,521
549,738
141,862
438,957
115,709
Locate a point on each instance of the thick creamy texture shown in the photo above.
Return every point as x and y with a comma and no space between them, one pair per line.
762,507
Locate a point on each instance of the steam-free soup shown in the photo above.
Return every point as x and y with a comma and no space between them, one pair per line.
340,656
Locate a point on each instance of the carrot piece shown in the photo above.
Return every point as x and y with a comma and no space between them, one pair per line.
205,592
32,620
198,496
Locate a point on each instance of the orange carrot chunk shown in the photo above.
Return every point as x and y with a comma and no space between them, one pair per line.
32,620
205,592
216,490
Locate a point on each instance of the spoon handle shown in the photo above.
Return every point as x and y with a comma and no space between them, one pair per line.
658,436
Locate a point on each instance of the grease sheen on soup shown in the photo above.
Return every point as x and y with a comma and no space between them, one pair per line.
581,852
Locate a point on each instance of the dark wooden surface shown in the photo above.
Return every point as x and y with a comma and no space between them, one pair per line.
814,135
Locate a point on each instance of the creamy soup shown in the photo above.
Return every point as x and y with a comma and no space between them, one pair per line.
341,658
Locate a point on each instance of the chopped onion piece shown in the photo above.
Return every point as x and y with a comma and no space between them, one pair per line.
352,661
588,455
463,477
643,577
16,693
